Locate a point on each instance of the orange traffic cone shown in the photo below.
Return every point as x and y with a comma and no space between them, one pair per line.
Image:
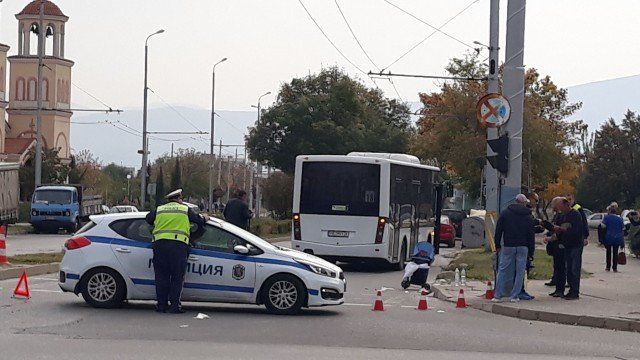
22,289
462,303
378,306
3,246
422,304
489,293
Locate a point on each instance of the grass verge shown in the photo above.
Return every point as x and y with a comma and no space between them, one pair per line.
36,259
21,229
479,265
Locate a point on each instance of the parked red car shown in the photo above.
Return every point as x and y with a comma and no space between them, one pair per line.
447,232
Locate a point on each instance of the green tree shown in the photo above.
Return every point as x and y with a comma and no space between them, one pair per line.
278,194
449,132
176,175
160,191
327,113
612,165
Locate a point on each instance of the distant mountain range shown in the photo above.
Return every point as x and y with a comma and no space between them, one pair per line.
116,138
606,99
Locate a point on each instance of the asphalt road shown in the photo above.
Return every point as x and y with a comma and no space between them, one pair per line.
54,325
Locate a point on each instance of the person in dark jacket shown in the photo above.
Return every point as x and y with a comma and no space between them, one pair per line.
613,226
570,235
237,211
514,240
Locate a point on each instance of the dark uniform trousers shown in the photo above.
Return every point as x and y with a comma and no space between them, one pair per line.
170,265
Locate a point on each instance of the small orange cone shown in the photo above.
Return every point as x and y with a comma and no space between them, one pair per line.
422,304
489,293
378,306
3,245
462,303
22,289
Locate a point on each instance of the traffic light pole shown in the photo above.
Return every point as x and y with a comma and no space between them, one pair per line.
492,184
513,90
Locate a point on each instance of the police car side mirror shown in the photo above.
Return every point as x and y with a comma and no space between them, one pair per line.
240,249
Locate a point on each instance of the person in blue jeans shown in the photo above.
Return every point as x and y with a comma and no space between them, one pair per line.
613,226
514,240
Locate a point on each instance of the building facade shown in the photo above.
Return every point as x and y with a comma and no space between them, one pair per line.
21,101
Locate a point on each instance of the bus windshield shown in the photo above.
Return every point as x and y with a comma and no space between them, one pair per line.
340,188
52,196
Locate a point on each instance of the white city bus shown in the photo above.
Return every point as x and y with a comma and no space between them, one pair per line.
362,206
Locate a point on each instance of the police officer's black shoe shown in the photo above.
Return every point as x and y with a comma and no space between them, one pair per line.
550,283
557,294
177,311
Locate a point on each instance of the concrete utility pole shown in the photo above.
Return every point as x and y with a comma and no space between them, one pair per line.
41,38
513,90
145,143
492,186
213,123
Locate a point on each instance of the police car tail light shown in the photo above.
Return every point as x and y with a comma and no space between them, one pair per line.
77,243
382,221
297,233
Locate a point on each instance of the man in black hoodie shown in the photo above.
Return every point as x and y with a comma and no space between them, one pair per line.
514,240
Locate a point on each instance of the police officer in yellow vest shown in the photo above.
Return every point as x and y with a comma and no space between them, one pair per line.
171,231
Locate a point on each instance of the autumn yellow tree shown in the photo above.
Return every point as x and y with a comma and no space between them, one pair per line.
449,132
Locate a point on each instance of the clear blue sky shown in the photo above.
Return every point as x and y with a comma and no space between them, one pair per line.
268,42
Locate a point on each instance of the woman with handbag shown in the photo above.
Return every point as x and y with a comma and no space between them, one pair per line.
614,238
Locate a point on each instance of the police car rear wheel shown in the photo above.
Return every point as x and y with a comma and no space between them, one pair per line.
103,288
284,295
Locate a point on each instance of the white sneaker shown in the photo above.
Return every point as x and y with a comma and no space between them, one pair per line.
497,300
514,300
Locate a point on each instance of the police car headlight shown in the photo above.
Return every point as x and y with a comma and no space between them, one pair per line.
318,269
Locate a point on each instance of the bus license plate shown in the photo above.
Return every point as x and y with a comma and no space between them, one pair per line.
50,218
340,234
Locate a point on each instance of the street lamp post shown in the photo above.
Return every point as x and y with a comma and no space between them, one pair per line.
258,165
145,150
213,122
129,188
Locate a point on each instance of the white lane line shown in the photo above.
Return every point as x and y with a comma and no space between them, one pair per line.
349,304
45,279
46,291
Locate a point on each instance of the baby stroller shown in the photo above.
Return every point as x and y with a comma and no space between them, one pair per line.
417,271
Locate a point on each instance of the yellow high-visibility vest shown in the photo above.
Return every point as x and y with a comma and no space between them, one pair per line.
172,223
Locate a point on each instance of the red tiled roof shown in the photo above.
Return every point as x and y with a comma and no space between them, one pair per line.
17,145
50,8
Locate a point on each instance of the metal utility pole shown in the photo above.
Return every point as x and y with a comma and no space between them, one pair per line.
220,163
513,90
492,182
251,189
244,171
228,178
213,123
41,38
145,143
259,166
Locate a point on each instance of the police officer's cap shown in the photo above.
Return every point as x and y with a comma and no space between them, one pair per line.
174,194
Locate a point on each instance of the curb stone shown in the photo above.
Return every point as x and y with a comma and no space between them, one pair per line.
32,270
546,316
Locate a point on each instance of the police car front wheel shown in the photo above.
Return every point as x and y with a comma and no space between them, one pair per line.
103,288
284,294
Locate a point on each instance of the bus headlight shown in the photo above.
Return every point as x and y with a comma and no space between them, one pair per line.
318,269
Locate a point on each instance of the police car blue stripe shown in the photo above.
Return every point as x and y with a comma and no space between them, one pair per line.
200,286
73,276
313,292
207,253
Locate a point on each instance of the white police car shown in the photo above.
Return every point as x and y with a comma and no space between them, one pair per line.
109,260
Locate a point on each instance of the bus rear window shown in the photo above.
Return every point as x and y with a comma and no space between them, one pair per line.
340,188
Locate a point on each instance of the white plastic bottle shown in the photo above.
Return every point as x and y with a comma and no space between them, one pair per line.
456,279
463,277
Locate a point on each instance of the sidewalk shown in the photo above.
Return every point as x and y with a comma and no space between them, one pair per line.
607,299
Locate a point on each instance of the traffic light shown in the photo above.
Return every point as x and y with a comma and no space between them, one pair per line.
500,161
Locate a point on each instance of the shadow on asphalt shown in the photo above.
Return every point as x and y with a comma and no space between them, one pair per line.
193,308
362,267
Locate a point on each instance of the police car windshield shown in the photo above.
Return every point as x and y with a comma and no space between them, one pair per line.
255,240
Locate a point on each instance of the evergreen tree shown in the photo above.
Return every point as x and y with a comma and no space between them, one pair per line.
176,176
160,191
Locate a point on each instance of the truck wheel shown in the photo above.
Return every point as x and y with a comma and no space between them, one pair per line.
284,294
103,288
74,227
